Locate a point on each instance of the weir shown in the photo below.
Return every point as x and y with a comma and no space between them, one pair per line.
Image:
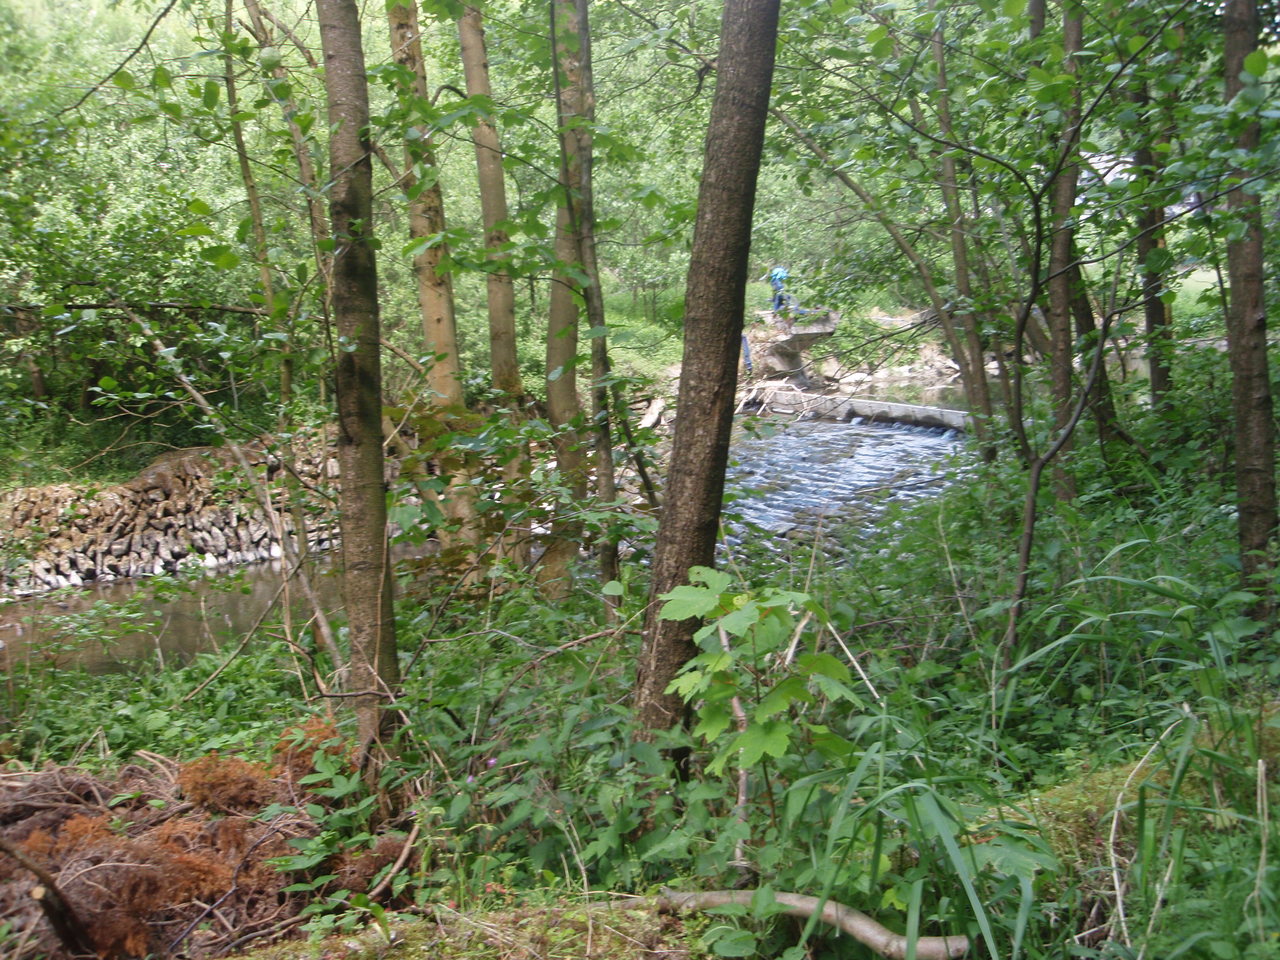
785,399
792,488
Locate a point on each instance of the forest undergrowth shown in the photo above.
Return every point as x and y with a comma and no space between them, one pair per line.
869,731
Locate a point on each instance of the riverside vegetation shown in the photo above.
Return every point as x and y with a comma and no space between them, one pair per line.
1033,717
862,733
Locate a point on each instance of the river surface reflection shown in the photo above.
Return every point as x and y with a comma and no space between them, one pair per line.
104,627
792,479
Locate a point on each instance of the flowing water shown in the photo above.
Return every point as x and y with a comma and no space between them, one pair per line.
816,476
791,482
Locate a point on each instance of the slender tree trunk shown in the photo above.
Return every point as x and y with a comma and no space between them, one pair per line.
563,406
426,213
1247,322
296,550
1061,253
971,358
367,580
312,187
714,304
504,364
924,271
246,172
1156,313
434,287
1101,405
583,211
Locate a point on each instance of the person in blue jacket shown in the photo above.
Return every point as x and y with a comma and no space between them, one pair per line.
777,277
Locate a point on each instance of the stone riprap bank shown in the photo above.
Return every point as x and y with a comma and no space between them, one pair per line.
189,507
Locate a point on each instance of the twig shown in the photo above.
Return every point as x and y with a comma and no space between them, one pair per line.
270,931
1116,879
252,632
399,864
235,885
740,805
121,65
856,665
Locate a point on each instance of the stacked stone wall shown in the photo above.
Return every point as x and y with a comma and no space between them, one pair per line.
189,507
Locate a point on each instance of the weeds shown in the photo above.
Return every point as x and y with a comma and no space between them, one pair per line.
1105,789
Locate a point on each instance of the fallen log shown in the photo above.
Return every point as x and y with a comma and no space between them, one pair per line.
853,922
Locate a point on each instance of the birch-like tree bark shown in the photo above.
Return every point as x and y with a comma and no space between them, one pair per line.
434,287
564,409
504,364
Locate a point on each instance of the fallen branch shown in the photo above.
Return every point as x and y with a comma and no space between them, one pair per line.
856,924
69,928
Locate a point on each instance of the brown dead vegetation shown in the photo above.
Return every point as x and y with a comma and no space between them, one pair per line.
161,859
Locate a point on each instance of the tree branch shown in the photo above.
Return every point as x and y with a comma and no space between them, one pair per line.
853,922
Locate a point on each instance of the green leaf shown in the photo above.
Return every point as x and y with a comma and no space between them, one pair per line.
124,80
740,620
612,589
1256,63
781,697
771,737
687,684
195,230
210,95
221,256
735,943
713,720
823,664
1013,858
713,579
199,208
687,601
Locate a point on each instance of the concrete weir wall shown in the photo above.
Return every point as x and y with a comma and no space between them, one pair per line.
190,506
788,400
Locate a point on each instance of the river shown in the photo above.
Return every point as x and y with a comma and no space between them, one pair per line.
791,482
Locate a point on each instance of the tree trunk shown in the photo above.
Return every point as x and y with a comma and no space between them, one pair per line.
296,550
1150,239
1247,322
1101,403
504,364
434,288
971,355
924,271
367,580
563,407
714,304
583,211
1061,254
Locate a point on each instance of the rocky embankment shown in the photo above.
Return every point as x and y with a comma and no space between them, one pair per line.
189,507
